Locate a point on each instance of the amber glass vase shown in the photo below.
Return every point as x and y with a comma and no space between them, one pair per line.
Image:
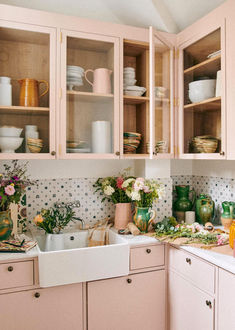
232,234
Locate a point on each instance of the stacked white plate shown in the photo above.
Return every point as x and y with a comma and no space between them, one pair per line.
74,76
129,82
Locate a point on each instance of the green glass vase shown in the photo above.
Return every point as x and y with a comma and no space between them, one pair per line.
6,225
143,217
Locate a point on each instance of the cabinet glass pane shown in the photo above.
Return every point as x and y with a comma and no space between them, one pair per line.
90,98
24,91
202,95
162,98
136,98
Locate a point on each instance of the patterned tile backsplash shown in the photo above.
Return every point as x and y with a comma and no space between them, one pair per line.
220,189
47,192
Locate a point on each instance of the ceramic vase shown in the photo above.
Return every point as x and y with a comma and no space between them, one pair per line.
123,215
143,217
54,242
6,225
232,234
205,209
228,214
183,203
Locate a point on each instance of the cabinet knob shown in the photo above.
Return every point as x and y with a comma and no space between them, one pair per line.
148,250
188,260
208,303
37,295
129,280
53,153
10,269
117,153
222,153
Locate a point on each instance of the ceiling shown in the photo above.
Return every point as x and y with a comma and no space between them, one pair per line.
165,15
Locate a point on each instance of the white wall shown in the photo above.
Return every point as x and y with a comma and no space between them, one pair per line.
214,168
181,167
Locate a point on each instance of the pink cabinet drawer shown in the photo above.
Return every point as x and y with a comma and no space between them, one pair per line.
148,256
16,274
201,273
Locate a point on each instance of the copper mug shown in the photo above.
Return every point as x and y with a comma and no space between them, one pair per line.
29,92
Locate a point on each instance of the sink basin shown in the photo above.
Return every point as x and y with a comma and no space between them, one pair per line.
76,262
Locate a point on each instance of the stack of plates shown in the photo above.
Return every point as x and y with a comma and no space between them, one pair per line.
131,142
129,82
205,144
160,91
74,76
77,147
161,147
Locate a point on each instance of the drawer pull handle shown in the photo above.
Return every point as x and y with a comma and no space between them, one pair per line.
129,280
37,295
148,251
10,269
208,303
188,260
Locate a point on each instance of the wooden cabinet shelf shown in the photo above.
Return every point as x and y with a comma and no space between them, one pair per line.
136,156
210,104
129,99
91,97
15,109
208,67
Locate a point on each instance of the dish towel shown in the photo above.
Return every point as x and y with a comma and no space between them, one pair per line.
99,234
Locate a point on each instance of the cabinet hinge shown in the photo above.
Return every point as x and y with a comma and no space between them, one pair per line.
61,37
176,53
176,102
60,93
60,149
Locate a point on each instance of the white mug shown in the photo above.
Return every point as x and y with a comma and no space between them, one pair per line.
189,217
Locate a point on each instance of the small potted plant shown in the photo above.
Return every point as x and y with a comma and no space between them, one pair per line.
12,186
114,189
53,221
143,193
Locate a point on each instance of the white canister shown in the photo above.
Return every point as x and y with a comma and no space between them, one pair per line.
218,90
5,91
101,137
189,217
30,132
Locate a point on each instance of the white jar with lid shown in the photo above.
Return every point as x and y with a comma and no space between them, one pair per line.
5,91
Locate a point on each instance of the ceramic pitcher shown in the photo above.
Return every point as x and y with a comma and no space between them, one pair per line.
101,80
227,215
29,92
205,209
143,217
183,202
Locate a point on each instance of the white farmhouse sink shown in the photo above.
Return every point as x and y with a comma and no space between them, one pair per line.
79,263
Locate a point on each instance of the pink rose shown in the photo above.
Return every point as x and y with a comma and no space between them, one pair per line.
9,190
120,181
146,189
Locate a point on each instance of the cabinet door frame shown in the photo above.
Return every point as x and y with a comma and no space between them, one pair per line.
63,108
203,32
53,115
153,35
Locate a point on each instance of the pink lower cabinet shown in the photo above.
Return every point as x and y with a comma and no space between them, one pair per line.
135,302
188,307
226,301
58,308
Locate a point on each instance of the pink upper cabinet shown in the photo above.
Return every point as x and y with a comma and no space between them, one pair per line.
27,91
89,96
202,93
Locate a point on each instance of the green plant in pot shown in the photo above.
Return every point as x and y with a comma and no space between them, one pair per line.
143,193
12,186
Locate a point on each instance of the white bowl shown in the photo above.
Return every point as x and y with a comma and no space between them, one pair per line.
6,131
10,144
134,93
129,82
135,88
130,75
202,90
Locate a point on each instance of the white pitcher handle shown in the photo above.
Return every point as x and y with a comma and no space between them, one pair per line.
86,72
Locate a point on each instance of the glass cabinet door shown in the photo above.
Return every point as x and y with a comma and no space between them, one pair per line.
27,91
90,95
202,119
161,97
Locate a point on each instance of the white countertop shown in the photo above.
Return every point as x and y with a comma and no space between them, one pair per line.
220,260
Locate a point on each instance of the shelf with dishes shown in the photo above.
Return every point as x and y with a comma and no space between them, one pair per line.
90,96
213,103
205,68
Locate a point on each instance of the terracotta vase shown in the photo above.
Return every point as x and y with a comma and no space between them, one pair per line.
29,92
6,225
123,215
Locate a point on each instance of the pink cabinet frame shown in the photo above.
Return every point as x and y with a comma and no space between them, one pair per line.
52,83
62,95
184,40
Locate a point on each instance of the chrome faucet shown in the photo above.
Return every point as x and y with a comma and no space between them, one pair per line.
72,205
